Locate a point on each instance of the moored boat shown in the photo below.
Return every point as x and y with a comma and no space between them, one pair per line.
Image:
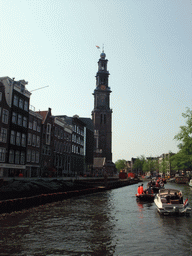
170,202
181,180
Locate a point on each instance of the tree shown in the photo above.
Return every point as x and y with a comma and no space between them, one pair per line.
120,164
150,165
163,165
138,164
183,159
145,167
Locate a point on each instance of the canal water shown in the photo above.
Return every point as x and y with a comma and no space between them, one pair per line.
107,223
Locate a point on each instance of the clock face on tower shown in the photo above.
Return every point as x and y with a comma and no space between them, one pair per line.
103,87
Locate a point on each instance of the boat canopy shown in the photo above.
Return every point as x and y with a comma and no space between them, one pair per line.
168,191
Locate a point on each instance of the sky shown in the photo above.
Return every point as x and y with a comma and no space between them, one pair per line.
147,43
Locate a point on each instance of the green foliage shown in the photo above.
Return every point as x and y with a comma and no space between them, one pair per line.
164,165
120,164
183,159
150,165
145,167
139,162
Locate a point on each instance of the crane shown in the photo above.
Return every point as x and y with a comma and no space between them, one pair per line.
39,88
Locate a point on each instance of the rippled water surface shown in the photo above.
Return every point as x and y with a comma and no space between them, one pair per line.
107,223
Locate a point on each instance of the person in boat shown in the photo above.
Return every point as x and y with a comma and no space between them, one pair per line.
150,184
176,196
168,199
157,184
141,189
161,183
149,191
180,198
138,190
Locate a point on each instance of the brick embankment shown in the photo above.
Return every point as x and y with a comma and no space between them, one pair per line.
17,195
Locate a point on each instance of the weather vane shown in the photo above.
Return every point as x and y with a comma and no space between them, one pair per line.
98,47
103,48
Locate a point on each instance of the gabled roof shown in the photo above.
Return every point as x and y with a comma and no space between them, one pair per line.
43,114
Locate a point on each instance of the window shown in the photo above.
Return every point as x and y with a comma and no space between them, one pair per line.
101,119
25,122
46,150
29,138
17,156
18,139
30,125
11,156
57,147
34,140
12,138
19,119
2,154
28,155
26,105
33,156
21,103
15,100
38,141
22,157
23,140
56,132
48,134
5,116
60,147
14,118
34,125
3,135
57,161
39,127
37,157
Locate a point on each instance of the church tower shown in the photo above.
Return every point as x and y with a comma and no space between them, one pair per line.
102,114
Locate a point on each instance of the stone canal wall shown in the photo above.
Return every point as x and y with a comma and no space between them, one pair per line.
16,195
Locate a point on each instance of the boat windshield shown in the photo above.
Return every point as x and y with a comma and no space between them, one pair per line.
168,191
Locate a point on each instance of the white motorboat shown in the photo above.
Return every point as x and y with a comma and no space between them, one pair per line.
190,183
170,202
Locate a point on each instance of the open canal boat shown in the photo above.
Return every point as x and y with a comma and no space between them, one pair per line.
145,197
170,202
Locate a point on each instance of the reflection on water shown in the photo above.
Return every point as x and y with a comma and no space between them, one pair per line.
109,223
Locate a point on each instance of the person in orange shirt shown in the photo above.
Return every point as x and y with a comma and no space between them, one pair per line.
141,189
138,190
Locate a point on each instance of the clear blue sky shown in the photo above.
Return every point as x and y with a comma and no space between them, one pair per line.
149,48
